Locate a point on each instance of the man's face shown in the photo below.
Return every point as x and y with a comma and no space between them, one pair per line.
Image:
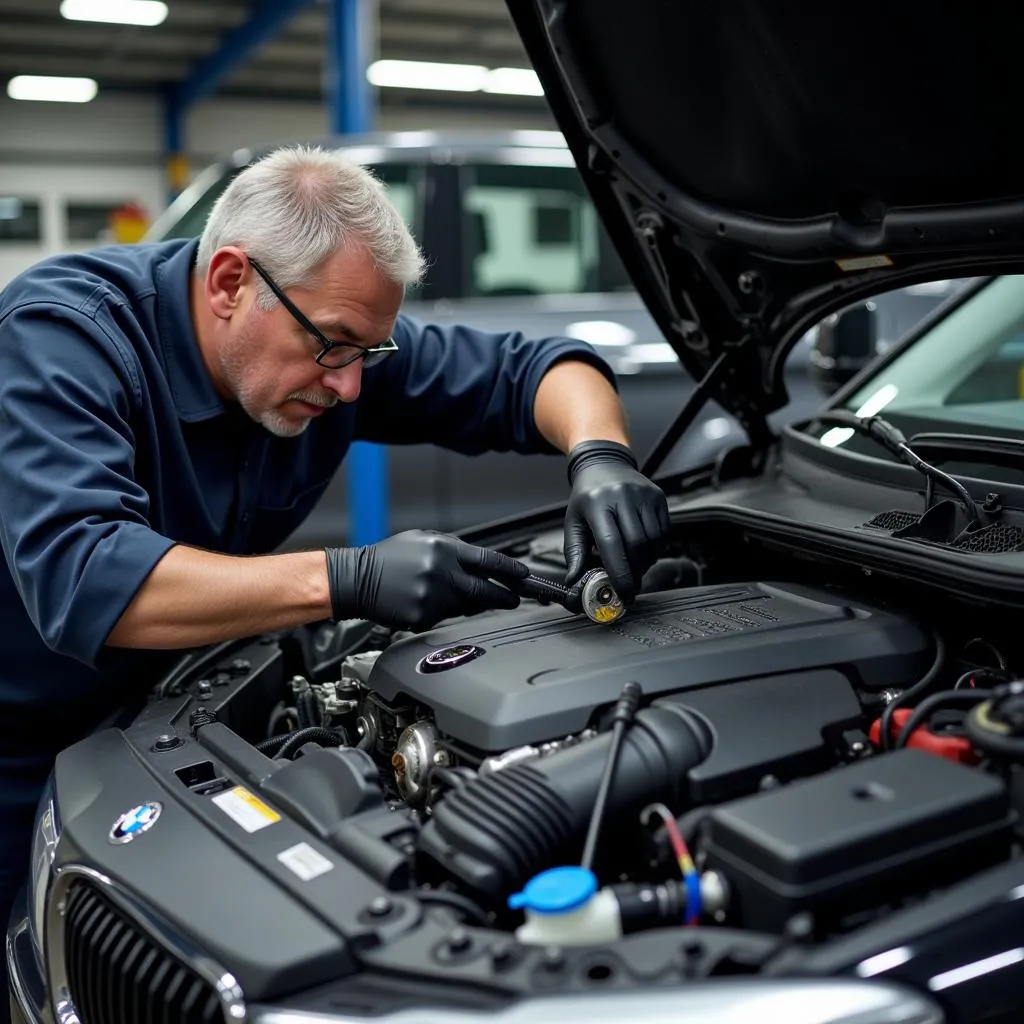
267,360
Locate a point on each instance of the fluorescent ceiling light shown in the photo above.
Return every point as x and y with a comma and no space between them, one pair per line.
886,961
52,90
117,12
513,82
416,74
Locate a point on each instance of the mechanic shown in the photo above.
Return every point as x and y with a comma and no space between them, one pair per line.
169,410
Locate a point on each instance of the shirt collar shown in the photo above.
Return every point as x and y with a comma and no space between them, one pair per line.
191,387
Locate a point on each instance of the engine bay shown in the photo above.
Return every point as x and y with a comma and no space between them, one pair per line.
710,769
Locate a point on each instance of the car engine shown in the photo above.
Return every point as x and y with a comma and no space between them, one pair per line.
709,757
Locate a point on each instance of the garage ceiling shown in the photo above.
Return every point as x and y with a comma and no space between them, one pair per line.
36,40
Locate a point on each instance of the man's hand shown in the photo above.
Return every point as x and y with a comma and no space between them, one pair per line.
415,579
616,507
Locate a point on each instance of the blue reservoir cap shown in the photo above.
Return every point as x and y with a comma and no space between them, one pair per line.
555,891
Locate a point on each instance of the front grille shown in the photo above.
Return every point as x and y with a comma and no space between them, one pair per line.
117,975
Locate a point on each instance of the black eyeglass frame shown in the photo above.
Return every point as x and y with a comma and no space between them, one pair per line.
371,355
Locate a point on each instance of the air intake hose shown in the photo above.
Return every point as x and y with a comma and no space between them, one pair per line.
497,831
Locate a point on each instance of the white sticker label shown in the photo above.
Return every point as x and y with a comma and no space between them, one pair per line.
864,262
245,809
304,861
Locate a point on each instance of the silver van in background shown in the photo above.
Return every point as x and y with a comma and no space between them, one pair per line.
514,244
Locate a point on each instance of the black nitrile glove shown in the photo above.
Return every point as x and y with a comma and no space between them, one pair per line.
415,579
614,505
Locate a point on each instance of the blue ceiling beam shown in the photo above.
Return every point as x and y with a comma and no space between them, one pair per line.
236,47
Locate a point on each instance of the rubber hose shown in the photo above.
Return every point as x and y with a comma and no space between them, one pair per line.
498,830
287,744
309,713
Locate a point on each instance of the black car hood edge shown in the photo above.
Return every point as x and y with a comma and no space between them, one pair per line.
760,166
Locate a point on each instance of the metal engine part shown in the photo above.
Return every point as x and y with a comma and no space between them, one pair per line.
510,757
359,666
385,722
415,754
599,600
592,595
336,700
298,684
518,754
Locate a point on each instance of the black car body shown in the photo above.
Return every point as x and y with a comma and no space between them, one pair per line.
759,167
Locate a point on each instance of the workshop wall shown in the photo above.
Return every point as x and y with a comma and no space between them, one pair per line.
68,164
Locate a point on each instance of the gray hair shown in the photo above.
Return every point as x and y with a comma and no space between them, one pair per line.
297,206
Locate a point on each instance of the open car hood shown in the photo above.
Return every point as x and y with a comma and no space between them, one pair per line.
759,166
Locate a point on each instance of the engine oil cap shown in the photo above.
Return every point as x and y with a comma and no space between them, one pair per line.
555,891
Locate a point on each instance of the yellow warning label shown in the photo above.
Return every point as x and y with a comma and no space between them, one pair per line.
863,262
245,809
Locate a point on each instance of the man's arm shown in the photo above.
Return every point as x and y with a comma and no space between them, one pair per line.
92,572
474,392
576,403
75,523
193,598
612,507
467,390
411,580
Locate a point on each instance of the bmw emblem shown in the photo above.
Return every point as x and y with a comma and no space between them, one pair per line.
134,822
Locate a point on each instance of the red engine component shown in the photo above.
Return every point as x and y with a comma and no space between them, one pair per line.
953,748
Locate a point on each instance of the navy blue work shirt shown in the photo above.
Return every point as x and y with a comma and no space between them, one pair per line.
114,446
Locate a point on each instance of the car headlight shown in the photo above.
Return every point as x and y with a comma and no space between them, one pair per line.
732,1001
44,848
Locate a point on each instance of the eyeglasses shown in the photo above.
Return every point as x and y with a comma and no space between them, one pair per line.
333,355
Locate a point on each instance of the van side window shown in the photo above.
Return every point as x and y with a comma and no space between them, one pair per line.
401,180
20,220
531,230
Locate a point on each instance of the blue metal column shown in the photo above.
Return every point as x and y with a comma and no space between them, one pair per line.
348,103
175,163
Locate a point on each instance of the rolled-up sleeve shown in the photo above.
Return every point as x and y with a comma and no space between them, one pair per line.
467,390
73,520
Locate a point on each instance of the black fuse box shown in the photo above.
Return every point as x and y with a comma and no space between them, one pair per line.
857,837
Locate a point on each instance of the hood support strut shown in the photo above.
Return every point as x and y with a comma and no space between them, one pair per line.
697,400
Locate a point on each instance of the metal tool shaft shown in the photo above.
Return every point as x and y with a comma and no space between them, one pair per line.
543,589
592,595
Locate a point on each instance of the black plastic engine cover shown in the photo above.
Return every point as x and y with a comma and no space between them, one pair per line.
535,674
857,837
788,725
